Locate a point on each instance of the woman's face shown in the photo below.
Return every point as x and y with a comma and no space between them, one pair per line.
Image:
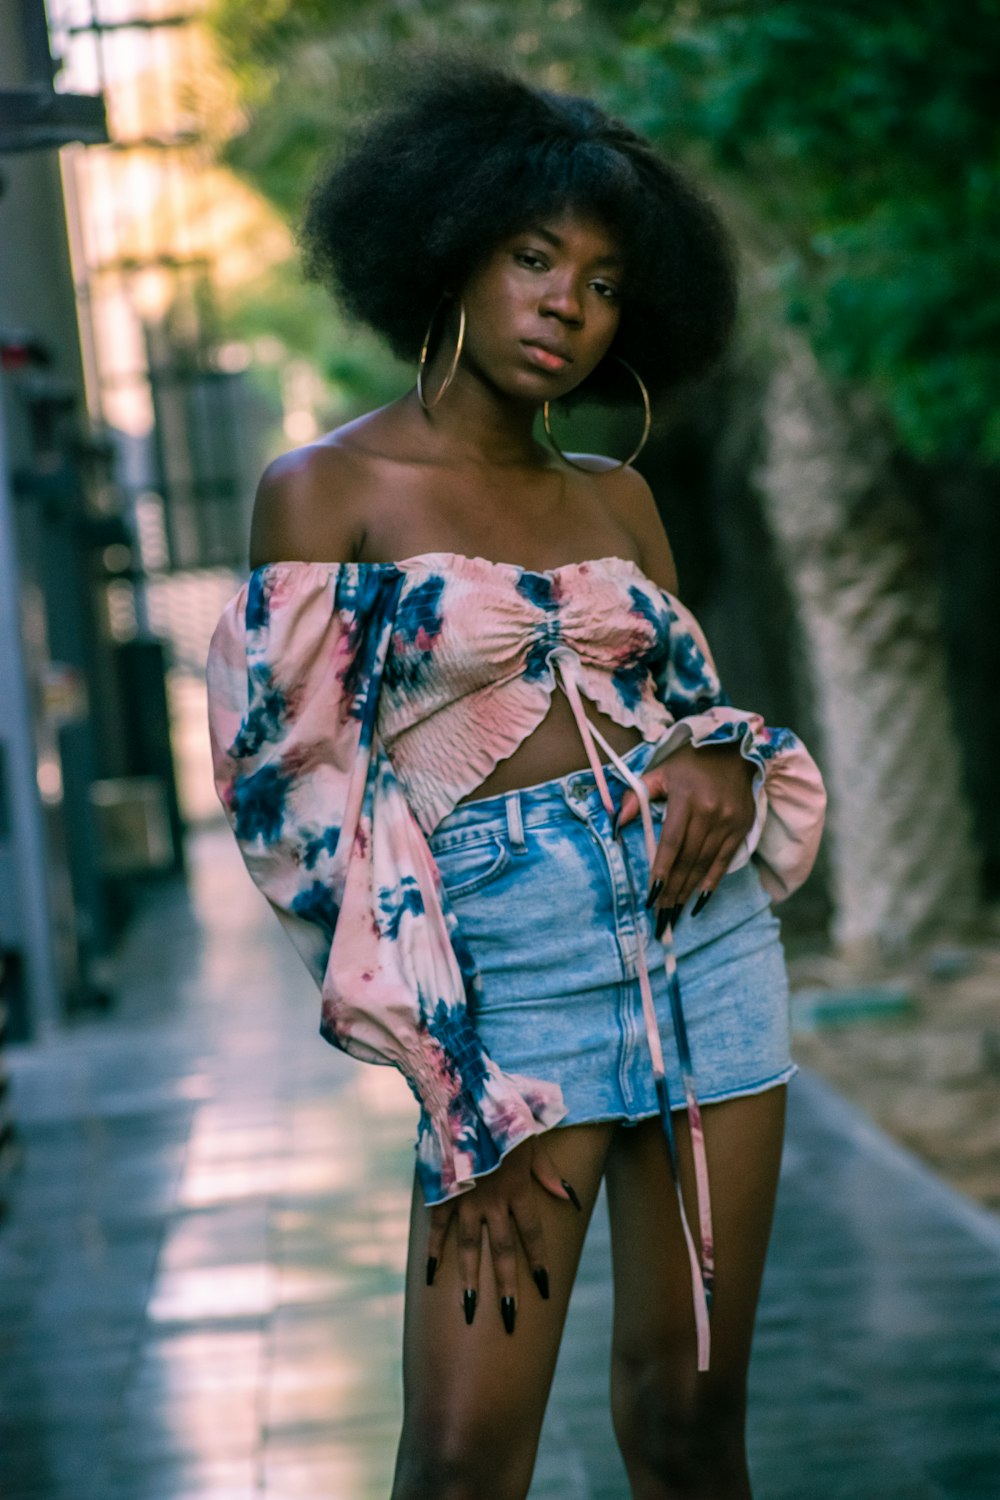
544,307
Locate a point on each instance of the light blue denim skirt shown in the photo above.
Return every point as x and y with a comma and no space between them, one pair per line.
540,890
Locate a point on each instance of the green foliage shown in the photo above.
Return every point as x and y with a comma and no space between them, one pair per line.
869,135
862,139
357,371
303,65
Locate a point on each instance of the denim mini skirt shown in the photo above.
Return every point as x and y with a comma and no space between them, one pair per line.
541,893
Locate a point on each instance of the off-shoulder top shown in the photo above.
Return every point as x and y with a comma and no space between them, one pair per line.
352,705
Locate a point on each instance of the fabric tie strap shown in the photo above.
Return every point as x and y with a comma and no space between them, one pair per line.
703,1265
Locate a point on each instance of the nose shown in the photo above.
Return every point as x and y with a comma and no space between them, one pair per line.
562,298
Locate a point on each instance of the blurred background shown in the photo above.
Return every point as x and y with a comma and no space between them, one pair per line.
832,494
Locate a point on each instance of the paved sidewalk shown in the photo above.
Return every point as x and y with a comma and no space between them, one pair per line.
199,1301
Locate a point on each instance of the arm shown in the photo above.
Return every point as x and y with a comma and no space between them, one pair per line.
308,507
327,836
345,866
321,821
760,792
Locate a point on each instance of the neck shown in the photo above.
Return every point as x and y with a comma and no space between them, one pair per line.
474,422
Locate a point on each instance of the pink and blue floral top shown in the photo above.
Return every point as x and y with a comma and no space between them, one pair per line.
352,705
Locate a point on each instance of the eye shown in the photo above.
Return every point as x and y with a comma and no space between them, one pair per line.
609,292
530,259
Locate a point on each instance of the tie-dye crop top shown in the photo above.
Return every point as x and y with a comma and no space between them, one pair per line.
352,705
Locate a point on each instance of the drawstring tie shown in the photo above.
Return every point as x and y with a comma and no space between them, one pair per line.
703,1266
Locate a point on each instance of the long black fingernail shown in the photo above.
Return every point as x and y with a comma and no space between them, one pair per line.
701,901
654,891
571,1195
668,914
542,1280
432,1265
507,1313
470,1299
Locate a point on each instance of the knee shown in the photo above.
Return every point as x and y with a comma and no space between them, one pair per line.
685,1433
440,1459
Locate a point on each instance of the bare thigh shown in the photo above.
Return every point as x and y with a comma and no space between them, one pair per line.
475,1394
664,1410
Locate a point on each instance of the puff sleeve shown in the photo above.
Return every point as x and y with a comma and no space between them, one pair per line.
789,794
324,829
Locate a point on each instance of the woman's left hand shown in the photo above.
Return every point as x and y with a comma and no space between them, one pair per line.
710,810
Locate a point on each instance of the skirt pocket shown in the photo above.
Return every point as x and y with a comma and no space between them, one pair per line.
467,865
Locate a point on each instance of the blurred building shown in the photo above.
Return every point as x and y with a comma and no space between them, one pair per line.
130,439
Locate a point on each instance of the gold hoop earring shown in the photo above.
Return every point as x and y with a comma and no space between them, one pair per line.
647,424
422,365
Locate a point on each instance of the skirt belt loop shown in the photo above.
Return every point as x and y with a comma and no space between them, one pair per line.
515,822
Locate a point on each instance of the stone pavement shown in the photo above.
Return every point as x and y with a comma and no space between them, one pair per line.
199,1299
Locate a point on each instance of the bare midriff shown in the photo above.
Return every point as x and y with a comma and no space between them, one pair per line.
553,749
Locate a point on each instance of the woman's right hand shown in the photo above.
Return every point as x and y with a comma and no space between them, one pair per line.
504,1200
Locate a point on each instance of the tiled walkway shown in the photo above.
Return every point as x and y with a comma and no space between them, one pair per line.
198,1301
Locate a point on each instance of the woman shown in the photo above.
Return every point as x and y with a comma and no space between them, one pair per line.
486,901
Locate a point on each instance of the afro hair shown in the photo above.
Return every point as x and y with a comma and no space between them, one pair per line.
468,154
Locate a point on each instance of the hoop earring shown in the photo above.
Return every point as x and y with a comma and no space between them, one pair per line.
422,365
647,424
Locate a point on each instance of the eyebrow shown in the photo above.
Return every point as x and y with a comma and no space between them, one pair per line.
559,243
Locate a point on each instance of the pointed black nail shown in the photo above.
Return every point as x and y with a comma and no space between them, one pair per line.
432,1266
571,1195
507,1313
701,901
470,1299
654,891
542,1280
668,914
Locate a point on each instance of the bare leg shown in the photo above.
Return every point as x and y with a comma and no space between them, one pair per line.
682,1434
474,1396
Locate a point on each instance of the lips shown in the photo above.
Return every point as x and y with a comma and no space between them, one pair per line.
547,355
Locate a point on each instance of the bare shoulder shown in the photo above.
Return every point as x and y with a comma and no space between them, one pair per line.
309,505
630,500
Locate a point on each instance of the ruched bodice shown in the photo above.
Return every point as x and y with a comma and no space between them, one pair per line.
478,647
